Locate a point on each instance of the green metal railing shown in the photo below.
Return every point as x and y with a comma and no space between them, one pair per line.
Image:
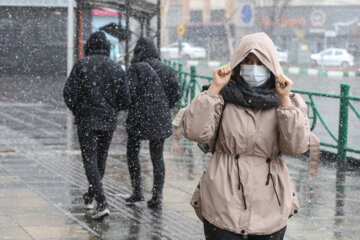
189,82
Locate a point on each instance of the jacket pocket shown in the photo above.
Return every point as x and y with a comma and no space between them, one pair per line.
196,201
295,207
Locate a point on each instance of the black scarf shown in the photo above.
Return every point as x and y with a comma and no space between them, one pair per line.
237,91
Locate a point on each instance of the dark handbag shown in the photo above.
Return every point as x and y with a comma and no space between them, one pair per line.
205,147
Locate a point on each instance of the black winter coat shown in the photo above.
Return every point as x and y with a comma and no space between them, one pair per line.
97,89
154,89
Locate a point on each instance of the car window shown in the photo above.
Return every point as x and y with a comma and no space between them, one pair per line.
173,45
338,53
327,53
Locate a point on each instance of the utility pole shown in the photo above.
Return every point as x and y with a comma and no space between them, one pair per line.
70,63
70,36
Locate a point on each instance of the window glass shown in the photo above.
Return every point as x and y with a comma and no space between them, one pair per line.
196,16
338,53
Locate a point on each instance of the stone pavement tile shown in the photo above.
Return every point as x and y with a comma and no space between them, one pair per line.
353,193
317,211
23,202
299,224
4,148
14,233
115,226
7,179
43,220
181,207
321,235
349,226
11,210
61,232
74,208
17,193
66,192
6,221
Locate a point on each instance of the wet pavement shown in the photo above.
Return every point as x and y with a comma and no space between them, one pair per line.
42,182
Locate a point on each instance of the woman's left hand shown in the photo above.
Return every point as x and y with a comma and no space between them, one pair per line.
283,87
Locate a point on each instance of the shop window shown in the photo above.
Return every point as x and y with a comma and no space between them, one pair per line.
196,16
217,15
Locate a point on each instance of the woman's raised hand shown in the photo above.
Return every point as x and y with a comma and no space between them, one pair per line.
283,87
221,77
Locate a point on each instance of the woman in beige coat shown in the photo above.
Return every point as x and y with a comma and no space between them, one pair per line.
246,190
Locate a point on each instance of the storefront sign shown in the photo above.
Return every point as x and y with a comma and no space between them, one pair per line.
318,18
283,21
34,3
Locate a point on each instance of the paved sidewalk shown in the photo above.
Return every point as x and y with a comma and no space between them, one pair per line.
41,185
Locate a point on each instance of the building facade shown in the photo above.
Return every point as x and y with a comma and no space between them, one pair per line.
207,23
308,25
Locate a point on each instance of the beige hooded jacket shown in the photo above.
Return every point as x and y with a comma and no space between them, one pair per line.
246,187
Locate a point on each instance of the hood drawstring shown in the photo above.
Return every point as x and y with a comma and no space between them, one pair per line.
240,186
268,160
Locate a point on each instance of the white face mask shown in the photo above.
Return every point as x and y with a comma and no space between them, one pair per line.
254,75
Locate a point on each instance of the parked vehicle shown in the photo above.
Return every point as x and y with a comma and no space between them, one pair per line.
282,55
188,51
333,57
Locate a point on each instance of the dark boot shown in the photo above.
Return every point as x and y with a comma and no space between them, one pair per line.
155,202
137,195
135,198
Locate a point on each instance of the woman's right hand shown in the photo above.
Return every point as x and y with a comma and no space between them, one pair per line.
221,77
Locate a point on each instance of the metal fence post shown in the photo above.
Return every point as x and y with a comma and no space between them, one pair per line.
180,69
193,81
343,126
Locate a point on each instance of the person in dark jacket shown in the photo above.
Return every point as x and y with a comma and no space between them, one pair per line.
154,89
95,92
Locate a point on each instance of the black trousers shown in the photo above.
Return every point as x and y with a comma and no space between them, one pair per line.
94,147
156,153
215,233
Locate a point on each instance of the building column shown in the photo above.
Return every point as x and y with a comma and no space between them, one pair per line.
185,11
230,8
206,12
165,23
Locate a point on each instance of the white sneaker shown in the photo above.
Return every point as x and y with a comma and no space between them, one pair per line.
102,210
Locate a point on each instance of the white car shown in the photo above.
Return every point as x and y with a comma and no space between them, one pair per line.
188,51
282,55
333,57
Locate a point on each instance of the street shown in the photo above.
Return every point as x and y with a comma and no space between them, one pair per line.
42,181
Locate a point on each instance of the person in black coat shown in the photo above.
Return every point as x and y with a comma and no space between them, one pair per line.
154,89
95,92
